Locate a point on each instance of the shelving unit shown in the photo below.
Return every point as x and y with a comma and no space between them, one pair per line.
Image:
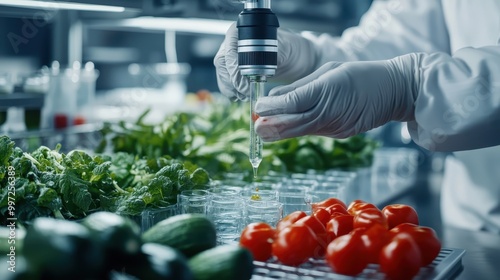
85,136
23,100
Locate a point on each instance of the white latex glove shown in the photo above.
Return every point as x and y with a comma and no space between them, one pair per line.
297,57
340,100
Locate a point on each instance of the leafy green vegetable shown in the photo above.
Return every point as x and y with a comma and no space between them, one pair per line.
217,141
73,185
50,199
6,149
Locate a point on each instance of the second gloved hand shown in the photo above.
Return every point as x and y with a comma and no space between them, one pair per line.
340,100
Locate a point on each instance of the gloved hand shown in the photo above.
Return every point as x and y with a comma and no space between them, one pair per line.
297,57
340,100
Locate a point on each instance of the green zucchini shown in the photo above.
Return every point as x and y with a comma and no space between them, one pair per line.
225,262
15,269
118,236
159,262
188,233
59,249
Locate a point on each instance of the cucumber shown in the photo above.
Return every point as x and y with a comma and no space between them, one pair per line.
225,262
159,262
59,249
15,269
188,233
118,236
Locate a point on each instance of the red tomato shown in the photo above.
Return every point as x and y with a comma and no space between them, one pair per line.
312,222
339,225
375,238
357,231
294,245
425,237
336,208
347,254
290,219
402,227
356,201
60,121
322,214
258,239
355,208
368,217
319,230
400,259
78,120
327,202
400,213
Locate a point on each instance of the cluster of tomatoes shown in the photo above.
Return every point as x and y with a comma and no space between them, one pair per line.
348,238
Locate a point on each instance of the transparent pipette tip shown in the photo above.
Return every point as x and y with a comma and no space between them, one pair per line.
255,165
255,154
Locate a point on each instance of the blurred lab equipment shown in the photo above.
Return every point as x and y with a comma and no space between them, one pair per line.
70,96
163,87
6,87
86,94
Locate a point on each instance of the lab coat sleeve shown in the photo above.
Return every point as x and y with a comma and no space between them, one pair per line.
387,29
458,99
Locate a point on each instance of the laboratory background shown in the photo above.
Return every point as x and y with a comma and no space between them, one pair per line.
112,125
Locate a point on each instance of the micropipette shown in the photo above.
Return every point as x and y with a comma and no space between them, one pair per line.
257,59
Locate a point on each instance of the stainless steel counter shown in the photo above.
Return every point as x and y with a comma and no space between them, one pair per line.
482,252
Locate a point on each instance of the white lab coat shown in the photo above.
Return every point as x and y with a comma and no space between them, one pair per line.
461,39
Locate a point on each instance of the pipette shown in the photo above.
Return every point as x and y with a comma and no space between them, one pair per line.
257,59
255,154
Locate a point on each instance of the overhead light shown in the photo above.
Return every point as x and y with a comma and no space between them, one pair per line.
190,25
53,5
